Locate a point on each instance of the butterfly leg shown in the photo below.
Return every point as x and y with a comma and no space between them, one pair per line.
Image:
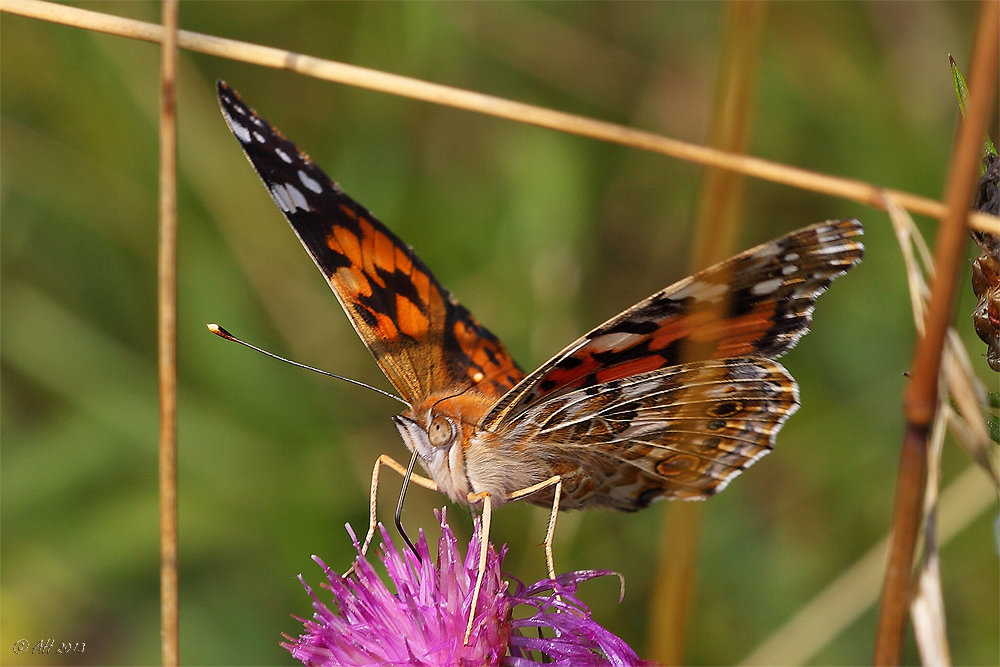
551,530
484,542
388,461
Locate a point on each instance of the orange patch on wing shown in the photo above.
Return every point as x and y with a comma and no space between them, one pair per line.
353,281
466,337
483,360
741,333
480,358
401,260
411,320
680,327
422,283
633,367
563,377
368,234
346,243
498,378
385,328
476,348
734,336
384,252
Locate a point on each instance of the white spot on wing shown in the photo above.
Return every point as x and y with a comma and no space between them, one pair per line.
791,257
242,133
767,286
309,182
767,250
833,249
615,341
712,293
281,197
258,136
789,269
701,291
283,155
298,199
827,235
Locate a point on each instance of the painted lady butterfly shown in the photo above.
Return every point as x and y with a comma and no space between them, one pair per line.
672,398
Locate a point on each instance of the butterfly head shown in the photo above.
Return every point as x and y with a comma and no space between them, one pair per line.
439,430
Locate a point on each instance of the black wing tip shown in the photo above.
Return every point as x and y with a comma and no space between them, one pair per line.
226,94
229,100
847,230
233,107
856,229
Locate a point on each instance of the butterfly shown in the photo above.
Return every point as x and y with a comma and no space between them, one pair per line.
673,398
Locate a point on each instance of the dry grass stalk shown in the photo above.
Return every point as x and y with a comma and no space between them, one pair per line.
167,336
922,396
927,616
965,388
927,607
969,427
361,77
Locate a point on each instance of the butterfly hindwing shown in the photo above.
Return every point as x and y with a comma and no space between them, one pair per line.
758,303
421,337
679,432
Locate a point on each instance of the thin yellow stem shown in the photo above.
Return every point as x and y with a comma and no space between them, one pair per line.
394,84
168,336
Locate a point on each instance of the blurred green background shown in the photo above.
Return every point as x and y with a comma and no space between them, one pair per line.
540,234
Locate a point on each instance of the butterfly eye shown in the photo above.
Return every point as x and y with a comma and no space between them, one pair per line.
440,431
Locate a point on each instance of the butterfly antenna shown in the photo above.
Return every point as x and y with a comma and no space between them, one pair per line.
222,333
399,507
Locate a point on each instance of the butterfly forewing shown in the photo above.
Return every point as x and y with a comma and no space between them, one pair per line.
423,340
759,303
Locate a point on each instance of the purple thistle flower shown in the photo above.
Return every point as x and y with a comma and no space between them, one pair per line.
424,621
